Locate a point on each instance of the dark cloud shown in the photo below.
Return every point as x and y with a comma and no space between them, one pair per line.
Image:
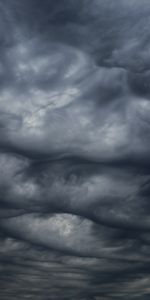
74,150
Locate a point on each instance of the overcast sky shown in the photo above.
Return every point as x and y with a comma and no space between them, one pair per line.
75,149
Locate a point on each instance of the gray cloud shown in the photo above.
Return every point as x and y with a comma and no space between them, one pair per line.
74,150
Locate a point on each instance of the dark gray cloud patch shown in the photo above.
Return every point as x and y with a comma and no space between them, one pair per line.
74,150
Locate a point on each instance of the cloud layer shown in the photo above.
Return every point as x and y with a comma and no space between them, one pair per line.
74,150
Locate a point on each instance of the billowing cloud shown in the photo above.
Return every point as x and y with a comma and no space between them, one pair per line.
74,150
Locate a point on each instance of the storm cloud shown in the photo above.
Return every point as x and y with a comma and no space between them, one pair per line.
74,149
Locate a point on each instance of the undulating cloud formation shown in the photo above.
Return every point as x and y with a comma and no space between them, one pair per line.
75,149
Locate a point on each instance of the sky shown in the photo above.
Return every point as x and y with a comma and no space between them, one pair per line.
74,149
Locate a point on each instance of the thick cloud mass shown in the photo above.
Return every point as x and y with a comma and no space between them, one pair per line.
74,149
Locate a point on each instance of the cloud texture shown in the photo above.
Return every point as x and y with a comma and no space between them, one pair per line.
74,149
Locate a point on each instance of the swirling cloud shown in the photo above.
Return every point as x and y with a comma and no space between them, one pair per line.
74,150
